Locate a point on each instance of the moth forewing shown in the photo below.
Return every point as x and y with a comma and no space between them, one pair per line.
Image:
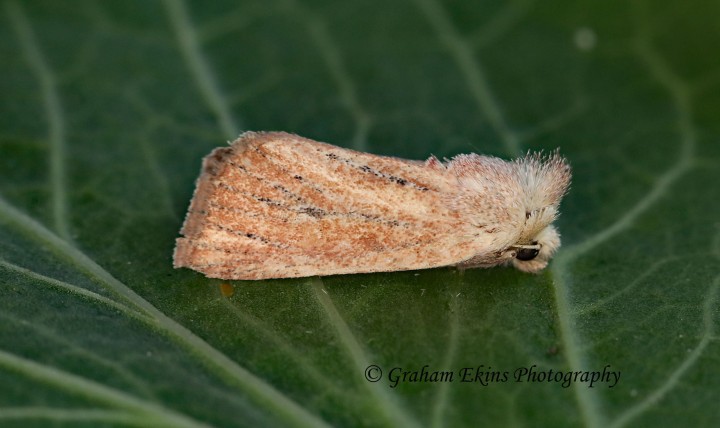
277,205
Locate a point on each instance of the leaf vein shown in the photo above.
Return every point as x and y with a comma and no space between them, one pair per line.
91,389
338,71
680,96
249,321
706,336
56,121
199,67
473,72
441,398
74,289
395,414
72,415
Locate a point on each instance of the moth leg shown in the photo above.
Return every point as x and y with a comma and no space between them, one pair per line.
488,260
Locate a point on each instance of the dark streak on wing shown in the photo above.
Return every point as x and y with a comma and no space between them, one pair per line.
376,173
303,209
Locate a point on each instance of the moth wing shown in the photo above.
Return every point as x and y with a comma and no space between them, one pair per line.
275,205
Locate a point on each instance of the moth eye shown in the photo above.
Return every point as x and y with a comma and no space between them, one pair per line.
526,254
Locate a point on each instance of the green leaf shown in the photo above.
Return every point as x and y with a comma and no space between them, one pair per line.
108,107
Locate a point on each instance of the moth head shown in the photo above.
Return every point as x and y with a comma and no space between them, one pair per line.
520,198
544,181
534,257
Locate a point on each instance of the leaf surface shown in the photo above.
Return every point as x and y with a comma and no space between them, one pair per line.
108,107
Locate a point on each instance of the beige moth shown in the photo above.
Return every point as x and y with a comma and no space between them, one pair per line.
276,205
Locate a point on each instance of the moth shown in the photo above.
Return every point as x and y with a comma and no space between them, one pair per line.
276,205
